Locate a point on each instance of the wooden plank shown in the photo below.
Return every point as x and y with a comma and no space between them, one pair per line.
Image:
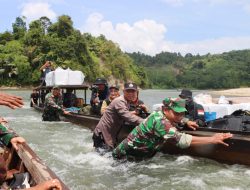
237,152
80,87
36,167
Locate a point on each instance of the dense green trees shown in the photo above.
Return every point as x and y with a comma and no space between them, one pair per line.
23,51
171,70
19,28
65,46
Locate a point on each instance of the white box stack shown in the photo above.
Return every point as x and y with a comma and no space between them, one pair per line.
64,77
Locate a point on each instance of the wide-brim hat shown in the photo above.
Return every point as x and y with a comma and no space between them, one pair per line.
130,86
185,93
175,104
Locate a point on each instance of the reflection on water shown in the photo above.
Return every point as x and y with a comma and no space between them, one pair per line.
67,150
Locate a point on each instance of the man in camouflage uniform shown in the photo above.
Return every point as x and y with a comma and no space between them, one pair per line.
53,106
148,137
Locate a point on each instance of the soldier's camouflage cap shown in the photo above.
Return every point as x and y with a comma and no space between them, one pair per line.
175,104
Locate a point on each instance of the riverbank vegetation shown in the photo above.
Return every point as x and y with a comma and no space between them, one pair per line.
25,49
220,71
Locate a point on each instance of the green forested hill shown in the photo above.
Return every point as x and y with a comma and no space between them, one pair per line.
172,70
24,51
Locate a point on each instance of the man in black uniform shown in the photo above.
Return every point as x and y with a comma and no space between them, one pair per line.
98,95
69,99
195,112
34,98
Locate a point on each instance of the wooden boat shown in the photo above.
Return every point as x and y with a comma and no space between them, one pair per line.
89,121
237,152
25,160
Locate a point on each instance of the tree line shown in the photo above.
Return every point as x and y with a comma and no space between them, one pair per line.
25,50
220,71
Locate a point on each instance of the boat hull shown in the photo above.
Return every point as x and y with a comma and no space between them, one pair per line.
237,152
26,160
36,167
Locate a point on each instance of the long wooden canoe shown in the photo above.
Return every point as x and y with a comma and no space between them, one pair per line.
238,151
25,160
89,121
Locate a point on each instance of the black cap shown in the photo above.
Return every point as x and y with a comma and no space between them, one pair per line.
100,81
185,93
130,85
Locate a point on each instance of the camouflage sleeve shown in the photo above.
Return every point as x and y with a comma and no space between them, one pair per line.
171,134
5,135
184,141
184,120
163,127
51,102
181,140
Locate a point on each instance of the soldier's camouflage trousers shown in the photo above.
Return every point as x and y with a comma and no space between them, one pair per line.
124,151
51,115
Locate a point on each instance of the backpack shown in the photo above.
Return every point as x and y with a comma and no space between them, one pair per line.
237,121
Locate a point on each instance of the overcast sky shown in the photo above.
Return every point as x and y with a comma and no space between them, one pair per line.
147,26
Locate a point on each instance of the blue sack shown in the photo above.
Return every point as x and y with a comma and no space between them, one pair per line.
209,116
73,109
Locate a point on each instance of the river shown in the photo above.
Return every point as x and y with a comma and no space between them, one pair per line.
67,149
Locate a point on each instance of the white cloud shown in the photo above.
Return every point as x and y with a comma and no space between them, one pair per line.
34,11
212,46
148,36
145,36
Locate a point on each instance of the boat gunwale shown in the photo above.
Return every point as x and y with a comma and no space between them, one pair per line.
39,171
235,143
75,87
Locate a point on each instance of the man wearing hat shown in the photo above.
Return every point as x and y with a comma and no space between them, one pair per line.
113,93
148,137
107,130
98,95
53,105
195,112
